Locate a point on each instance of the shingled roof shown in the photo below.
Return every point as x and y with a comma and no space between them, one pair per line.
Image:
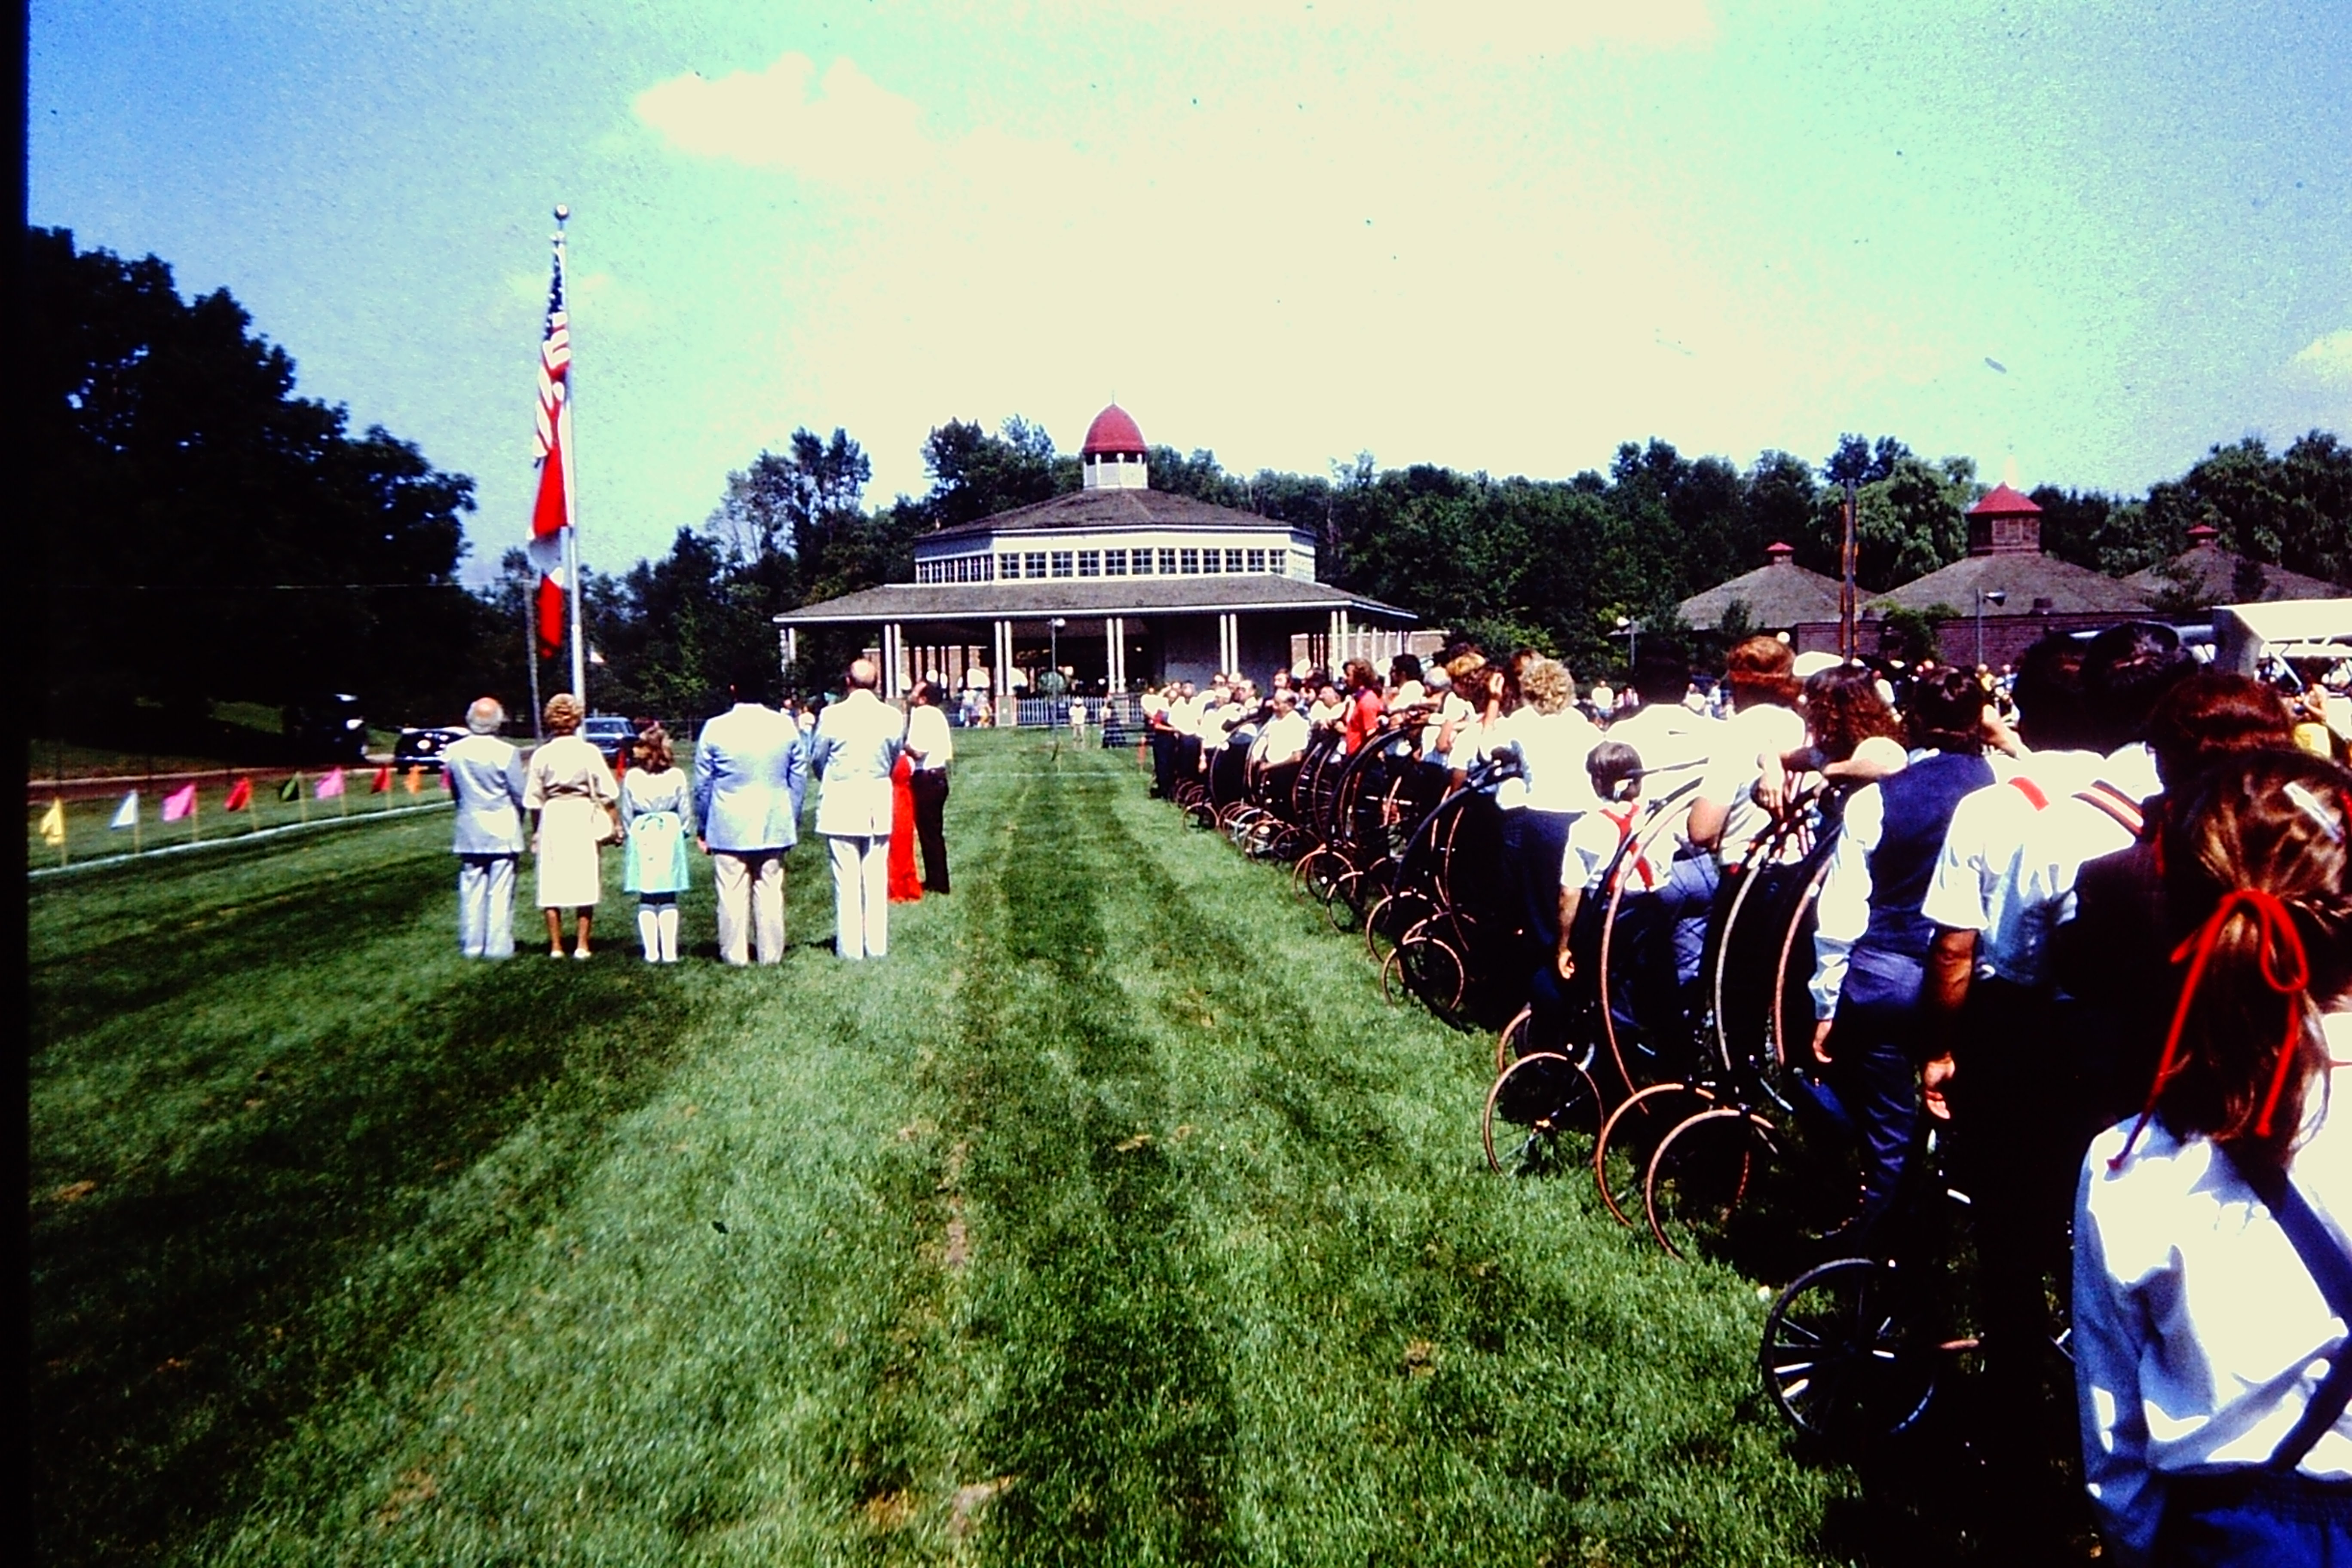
2210,574
1085,598
1112,509
1778,594
2031,582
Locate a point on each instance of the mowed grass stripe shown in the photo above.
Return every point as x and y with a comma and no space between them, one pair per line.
1111,1412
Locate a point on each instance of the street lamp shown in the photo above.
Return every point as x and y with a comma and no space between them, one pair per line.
1631,630
1053,648
1996,598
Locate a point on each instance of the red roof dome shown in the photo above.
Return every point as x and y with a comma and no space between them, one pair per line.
2004,501
1113,431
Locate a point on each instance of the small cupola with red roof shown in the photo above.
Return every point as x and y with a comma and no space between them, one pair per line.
1113,457
2005,523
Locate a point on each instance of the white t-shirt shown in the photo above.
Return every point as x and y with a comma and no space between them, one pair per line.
927,733
2200,1337
1552,749
1746,739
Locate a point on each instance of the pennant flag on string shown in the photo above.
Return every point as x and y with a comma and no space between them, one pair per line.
292,789
240,796
381,782
415,778
53,823
179,803
329,787
127,814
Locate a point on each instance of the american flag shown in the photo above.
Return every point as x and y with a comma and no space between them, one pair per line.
551,513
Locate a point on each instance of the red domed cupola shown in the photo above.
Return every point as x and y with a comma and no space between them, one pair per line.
1113,455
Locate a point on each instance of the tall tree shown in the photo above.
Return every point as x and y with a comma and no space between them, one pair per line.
211,534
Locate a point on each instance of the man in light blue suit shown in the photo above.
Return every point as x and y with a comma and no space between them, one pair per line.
856,744
749,767
485,775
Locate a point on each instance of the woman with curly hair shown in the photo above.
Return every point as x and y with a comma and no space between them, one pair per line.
570,786
657,814
2213,1285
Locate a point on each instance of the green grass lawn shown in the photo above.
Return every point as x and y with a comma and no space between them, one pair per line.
1112,1219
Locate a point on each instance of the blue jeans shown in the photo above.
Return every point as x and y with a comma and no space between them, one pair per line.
2255,1516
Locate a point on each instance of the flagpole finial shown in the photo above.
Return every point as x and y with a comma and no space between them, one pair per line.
563,213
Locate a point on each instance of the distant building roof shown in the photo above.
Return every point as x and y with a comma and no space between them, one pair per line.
1086,597
2004,501
1114,430
2034,582
1112,509
2209,573
1778,594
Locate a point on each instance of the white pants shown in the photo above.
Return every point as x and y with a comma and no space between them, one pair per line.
486,891
861,894
750,904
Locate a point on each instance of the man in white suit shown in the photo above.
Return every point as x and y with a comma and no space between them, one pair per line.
750,770
856,744
486,777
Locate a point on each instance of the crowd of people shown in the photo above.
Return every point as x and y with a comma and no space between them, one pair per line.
882,789
2089,916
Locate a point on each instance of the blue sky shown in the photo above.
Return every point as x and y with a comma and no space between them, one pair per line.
2079,242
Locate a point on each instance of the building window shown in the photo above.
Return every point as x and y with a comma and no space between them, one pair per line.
1033,563
1114,562
1190,561
1089,562
1142,562
1300,566
1168,564
1008,566
1257,560
1061,563
1232,561
1210,565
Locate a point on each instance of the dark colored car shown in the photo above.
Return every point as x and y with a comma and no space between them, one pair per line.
422,748
328,728
613,736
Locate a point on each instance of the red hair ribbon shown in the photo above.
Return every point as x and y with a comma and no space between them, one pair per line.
2285,969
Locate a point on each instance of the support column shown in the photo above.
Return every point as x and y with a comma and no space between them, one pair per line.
1347,640
1000,660
792,650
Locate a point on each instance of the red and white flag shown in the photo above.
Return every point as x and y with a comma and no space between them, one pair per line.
551,513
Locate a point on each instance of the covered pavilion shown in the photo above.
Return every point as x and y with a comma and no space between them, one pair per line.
1119,585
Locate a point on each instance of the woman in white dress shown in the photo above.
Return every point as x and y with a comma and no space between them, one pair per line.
657,814
570,786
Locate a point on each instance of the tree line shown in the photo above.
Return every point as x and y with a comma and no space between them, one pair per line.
208,534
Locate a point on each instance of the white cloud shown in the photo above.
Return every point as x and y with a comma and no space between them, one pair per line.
842,128
2326,359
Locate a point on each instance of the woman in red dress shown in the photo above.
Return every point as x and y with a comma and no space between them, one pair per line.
906,883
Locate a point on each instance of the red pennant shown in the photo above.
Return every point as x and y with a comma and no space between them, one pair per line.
240,796
381,784
551,617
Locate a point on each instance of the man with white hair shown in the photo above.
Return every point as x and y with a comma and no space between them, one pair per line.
485,774
856,744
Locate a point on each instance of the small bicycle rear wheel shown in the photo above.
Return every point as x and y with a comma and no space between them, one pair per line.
1700,1175
1836,1358
1621,1154
1539,1098
1511,1043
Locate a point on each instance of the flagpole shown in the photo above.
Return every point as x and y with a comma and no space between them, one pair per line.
572,583
530,653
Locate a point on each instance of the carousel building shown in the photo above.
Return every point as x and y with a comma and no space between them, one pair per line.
1116,583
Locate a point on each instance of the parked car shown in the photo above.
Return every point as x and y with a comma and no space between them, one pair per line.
609,735
422,748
